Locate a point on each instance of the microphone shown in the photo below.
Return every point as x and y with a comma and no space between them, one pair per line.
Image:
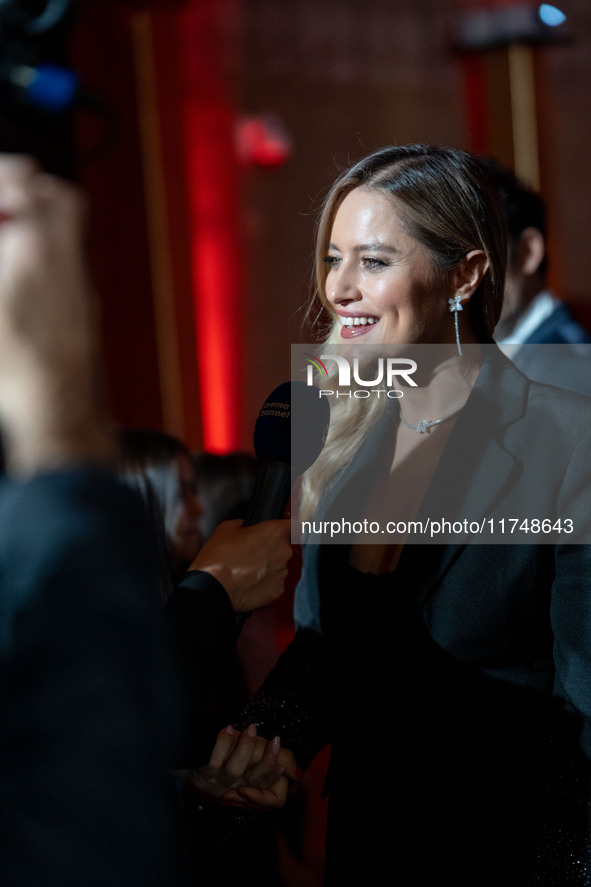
285,449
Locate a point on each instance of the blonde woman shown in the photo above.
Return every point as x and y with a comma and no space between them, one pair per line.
452,681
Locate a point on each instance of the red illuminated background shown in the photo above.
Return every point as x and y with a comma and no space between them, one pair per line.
230,118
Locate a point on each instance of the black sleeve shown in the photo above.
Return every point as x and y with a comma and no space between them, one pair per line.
204,625
296,700
89,699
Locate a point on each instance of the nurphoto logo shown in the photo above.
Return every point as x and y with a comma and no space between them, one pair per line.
387,371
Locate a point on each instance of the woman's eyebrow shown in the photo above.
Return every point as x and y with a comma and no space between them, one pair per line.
383,247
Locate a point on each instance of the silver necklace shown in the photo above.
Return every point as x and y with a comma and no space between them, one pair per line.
423,425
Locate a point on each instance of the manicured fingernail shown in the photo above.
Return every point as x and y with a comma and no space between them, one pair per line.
230,730
276,745
251,730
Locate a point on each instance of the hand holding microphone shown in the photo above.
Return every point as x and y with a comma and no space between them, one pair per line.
250,560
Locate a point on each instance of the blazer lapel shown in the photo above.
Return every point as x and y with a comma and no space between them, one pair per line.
474,475
475,472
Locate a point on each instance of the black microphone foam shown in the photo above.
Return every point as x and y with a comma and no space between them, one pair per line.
285,448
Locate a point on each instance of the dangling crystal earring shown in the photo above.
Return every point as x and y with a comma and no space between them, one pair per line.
455,306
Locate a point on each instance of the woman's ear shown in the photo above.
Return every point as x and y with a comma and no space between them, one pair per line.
469,274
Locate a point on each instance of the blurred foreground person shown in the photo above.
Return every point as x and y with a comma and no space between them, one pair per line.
89,701
206,589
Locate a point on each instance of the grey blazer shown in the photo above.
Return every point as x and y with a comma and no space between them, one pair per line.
517,610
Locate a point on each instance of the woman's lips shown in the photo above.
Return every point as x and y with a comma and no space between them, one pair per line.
354,325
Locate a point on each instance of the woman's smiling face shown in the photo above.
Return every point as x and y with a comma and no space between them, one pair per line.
381,283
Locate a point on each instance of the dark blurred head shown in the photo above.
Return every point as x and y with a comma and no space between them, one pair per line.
524,206
526,245
158,463
225,484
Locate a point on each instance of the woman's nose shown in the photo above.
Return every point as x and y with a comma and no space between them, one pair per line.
342,287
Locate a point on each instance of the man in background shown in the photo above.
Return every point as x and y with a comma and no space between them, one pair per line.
536,329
